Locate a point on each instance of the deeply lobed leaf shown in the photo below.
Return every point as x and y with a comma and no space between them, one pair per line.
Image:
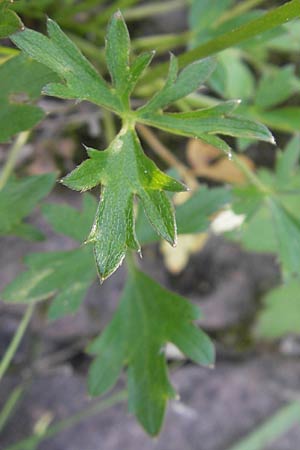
147,318
81,80
124,172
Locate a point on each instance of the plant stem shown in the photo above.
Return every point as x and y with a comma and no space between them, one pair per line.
62,425
13,346
109,126
9,405
266,22
12,157
238,10
273,428
131,262
167,156
249,174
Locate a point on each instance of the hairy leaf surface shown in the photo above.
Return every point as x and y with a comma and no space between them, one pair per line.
124,173
81,80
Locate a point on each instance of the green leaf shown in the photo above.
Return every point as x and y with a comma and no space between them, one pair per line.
289,40
124,172
202,14
81,80
21,81
281,312
214,120
27,231
287,163
285,119
64,276
232,77
192,216
189,79
117,52
276,87
147,318
69,221
19,197
257,234
136,70
287,228
9,22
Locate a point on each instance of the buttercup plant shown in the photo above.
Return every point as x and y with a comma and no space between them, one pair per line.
123,170
148,316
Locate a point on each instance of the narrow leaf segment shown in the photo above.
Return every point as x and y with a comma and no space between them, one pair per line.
148,317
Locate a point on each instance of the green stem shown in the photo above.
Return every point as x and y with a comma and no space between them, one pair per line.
249,174
272,429
9,405
62,425
13,346
266,22
238,10
131,262
12,157
109,126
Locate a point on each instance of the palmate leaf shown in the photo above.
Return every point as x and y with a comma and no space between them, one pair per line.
64,276
272,220
147,318
17,200
124,172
